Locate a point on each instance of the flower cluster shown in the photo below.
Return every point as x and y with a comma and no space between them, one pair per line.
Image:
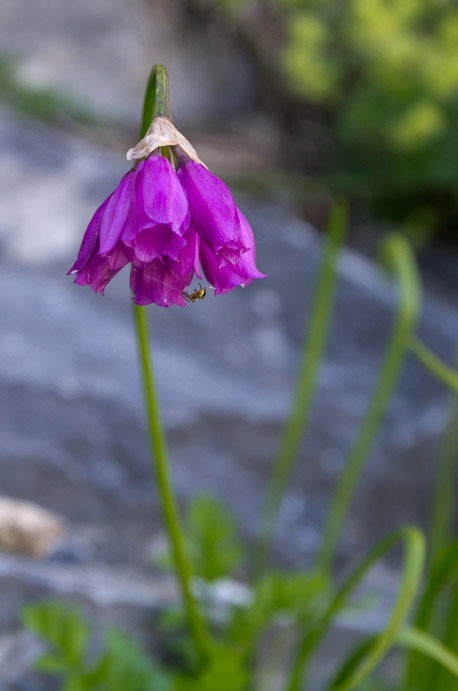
167,224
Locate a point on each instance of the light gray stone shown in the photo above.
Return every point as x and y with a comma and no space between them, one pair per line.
99,53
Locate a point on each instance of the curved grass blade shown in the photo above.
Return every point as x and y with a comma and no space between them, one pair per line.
409,637
444,572
398,257
425,643
440,677
410,581
435,365
312,356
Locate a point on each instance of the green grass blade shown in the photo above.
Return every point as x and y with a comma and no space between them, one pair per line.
421,671
312,356
410,581
443,573
442,679
425,643
445,492
435,365
399,259
409,637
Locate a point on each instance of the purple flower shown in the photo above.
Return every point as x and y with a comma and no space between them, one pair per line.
227,251
165,224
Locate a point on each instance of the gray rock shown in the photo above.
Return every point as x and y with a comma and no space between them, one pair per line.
99,54
27,528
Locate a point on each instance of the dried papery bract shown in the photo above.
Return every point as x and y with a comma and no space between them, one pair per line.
162,132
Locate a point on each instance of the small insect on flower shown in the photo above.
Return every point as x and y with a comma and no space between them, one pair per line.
197,294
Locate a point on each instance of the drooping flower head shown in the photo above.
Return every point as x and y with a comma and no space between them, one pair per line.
166,224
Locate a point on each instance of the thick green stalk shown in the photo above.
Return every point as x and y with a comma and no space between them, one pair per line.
157,103
161,469
312,355
398,258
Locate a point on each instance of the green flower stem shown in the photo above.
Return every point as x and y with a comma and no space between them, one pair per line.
157,98
443,372
398,258
312,356
161,468
157,102
410,581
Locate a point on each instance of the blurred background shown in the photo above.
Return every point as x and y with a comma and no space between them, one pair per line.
291,102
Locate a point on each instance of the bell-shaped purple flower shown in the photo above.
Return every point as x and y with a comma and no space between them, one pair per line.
145,222
228,254
165,225
225,274
91,267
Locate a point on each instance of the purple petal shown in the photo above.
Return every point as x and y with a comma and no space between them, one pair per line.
197,258
99,270
247,263
188,259
213,211
132,226
116,213
156,241
224,275
159,193
89,244
156,283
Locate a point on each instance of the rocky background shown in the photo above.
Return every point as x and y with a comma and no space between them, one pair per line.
72,434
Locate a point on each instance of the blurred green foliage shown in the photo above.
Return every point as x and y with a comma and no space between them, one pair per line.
384,74
121,666
295,599
48,104
213,546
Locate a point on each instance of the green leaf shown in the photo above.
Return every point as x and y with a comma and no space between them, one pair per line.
296,596
123,666
225,670
127,668
50,664
213,547
62,627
